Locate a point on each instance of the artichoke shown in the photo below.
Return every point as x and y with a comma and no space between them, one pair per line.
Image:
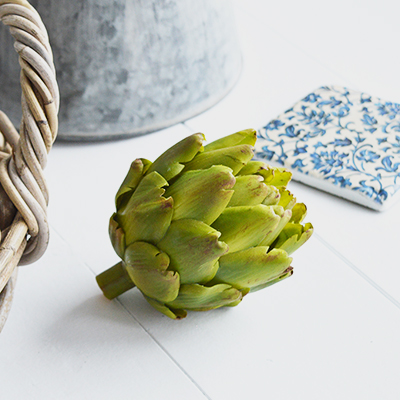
201,227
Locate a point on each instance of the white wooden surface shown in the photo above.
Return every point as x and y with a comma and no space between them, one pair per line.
332,331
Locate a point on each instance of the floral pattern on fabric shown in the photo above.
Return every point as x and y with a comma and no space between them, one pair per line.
348,138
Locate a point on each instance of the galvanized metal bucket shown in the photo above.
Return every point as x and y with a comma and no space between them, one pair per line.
127,68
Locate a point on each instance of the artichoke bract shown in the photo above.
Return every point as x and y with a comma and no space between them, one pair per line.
201,227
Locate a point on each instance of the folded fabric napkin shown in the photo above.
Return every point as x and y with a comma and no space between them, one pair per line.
341,141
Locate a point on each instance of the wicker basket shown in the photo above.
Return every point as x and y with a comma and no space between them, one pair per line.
23,193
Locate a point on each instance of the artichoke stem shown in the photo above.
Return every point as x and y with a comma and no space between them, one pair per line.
115,281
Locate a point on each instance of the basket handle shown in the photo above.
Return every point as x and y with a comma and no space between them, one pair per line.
23,156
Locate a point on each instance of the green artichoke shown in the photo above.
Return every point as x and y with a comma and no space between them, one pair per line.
201,227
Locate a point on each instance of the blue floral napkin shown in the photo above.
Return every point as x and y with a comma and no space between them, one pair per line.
341,141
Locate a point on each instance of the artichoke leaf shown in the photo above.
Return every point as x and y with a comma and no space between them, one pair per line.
272,175
202,194
194,249
252,267
299,211
285,216
287,200
117,236
147,267
151,186
249,190
136,172
145,255
273,196
169,312
201,298
161,285
237,302
247,136
285,274
293,236
280,177
259,168
245,226
235,157
171,162
147,215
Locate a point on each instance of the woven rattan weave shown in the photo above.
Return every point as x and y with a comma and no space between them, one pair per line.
24,194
